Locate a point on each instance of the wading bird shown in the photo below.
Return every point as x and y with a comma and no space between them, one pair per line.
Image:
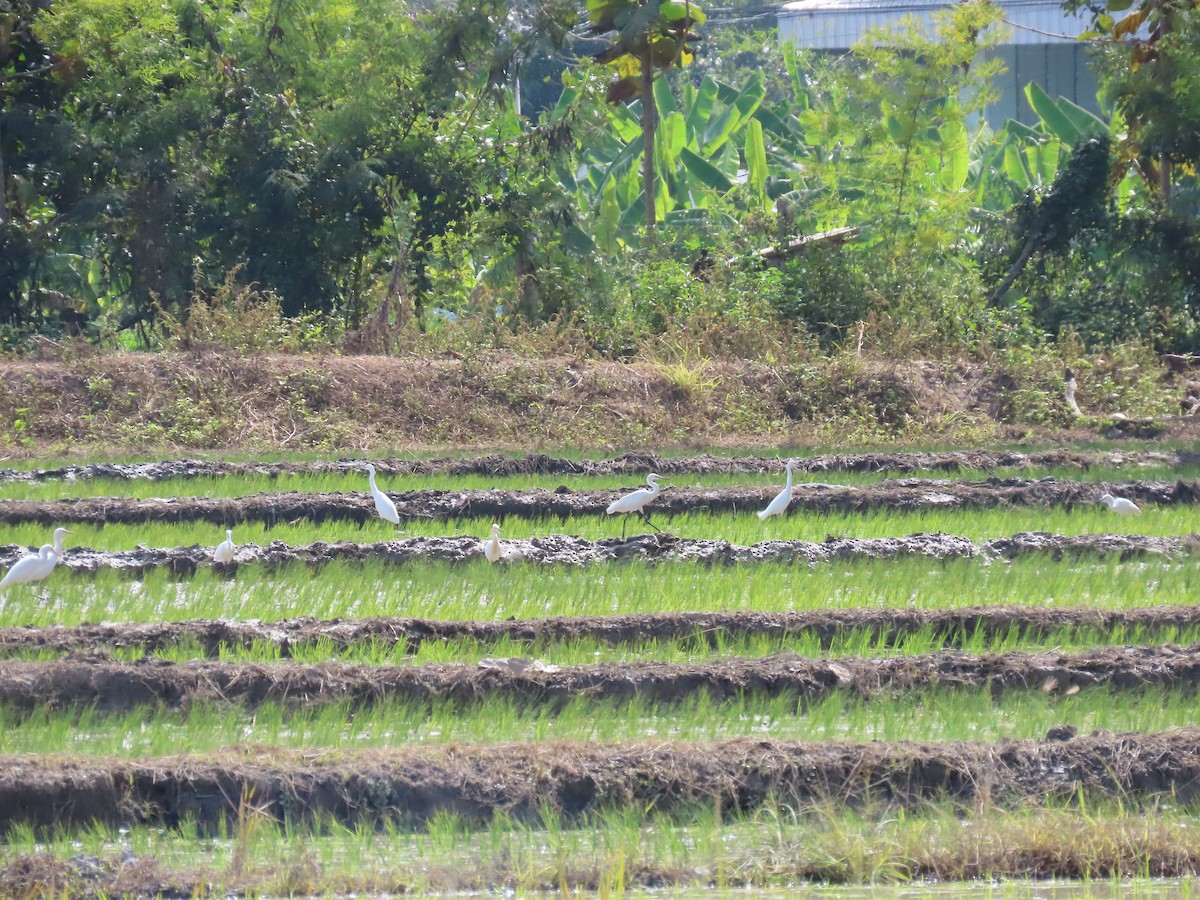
1120,505
636,503
779,505
224,550
58,547
383,503
491,547
33,567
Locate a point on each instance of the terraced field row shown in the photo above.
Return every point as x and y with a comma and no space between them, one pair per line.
397,714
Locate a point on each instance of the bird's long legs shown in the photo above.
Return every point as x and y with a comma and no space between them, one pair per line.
645,515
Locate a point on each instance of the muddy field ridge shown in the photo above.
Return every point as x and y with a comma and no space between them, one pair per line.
108,685
409,786
210,637
503,465
567,550
564,503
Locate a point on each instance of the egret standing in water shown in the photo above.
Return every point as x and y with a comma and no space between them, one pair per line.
224,550
33,567
491,547
1120,505
779,505
636,503
383,503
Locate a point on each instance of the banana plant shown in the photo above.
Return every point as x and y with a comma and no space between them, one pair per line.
1027,157
711,139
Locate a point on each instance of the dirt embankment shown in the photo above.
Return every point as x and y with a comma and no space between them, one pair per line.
563,503
280,403
109,685
632,464
474,782
573,551
209,637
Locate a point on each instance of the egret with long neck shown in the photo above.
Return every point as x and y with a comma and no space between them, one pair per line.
779,505
383,503
225,550
33,567
636,503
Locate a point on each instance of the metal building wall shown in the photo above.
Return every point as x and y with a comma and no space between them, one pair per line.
1041,45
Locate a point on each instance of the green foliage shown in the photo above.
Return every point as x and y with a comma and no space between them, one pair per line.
889,129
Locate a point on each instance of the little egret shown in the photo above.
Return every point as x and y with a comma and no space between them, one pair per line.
383,503
636,503
33,567
224,550
779,505
1120,505
491,547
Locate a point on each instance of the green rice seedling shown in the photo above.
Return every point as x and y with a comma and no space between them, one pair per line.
975,524
928,715
477,591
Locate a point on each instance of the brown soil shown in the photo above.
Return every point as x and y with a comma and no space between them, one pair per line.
114,686
116,402
562,503
954,626
223,401
558,549
628,464
410,785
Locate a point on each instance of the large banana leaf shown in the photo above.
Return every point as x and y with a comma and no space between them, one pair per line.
701,108
756,158
1057,122
704,171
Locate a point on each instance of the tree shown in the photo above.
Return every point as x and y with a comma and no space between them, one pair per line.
1150,59
645,36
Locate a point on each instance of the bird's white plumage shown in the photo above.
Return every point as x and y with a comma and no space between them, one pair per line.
58,536
224,550
383,503
634,502
33,567
1120,505
491,547
780,503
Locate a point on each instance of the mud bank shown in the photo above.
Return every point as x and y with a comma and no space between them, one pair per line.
627,464
563,503
209,637
566,550
116,686
408,786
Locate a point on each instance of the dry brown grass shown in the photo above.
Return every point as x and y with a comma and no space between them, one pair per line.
84,402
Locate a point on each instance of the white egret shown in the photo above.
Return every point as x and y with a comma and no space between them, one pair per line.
224,550
491,547
1120,505
383,503
779,505
636,503
58,547
33,567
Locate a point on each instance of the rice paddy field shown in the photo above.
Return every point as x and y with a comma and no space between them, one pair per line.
955,675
